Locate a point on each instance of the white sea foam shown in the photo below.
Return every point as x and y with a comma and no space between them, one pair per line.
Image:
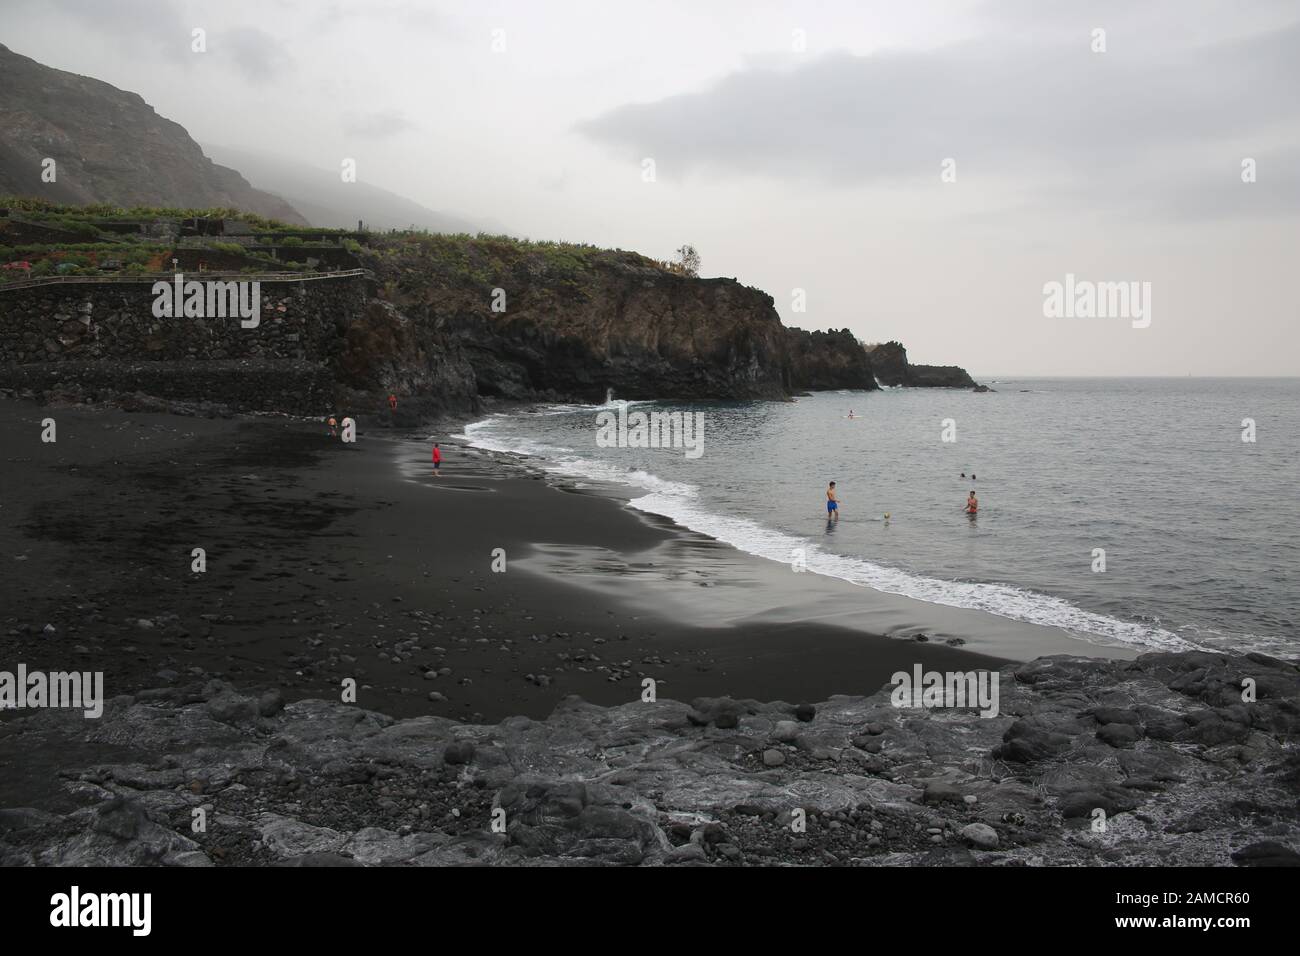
680,502
1000,599
563,461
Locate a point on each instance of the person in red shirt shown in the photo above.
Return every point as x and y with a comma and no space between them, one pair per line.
437,460
392,403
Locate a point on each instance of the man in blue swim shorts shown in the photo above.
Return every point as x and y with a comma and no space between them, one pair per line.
832,505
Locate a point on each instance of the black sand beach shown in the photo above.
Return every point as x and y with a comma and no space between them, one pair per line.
324,563
519,692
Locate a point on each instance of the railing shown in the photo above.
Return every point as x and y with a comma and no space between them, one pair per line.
152,277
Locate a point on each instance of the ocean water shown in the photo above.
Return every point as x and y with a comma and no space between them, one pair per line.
1200,529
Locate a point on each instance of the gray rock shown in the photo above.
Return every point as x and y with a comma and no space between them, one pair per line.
1266,853
939,792
981,835
270,703
458,752
786,731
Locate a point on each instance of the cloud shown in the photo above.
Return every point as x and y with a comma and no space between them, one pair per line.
1022,112
137,25
255,53
382,124
165,29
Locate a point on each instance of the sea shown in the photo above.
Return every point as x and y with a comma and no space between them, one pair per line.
1154,513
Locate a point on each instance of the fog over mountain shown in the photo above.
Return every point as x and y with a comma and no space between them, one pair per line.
325,199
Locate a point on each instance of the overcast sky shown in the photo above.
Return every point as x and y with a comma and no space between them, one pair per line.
816,168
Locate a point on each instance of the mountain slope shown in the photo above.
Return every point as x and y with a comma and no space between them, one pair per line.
109,146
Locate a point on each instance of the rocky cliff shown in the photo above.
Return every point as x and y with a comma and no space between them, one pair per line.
443,321
891,367
109,146
538,321
824,360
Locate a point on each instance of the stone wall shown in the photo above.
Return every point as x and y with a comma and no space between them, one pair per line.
300,319
103,338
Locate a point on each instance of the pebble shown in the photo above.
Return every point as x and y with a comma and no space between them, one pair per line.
773,758
436,697
981,835
786,731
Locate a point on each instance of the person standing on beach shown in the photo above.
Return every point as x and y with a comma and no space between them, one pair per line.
972,503
334,428
392,404
832,503
437,460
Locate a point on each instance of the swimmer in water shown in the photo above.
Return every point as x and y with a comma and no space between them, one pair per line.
972,503
832,504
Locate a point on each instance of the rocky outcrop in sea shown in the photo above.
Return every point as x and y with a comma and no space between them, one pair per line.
1154,761
827,360
891,367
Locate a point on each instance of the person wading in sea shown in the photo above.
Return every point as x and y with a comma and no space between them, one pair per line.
437,460
972,503
832,503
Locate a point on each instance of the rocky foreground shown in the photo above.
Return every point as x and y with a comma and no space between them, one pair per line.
1184,770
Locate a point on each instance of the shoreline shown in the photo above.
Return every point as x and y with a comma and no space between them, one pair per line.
755,588
326,563
322,563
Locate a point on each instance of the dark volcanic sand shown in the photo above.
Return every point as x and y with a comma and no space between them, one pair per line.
324,562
